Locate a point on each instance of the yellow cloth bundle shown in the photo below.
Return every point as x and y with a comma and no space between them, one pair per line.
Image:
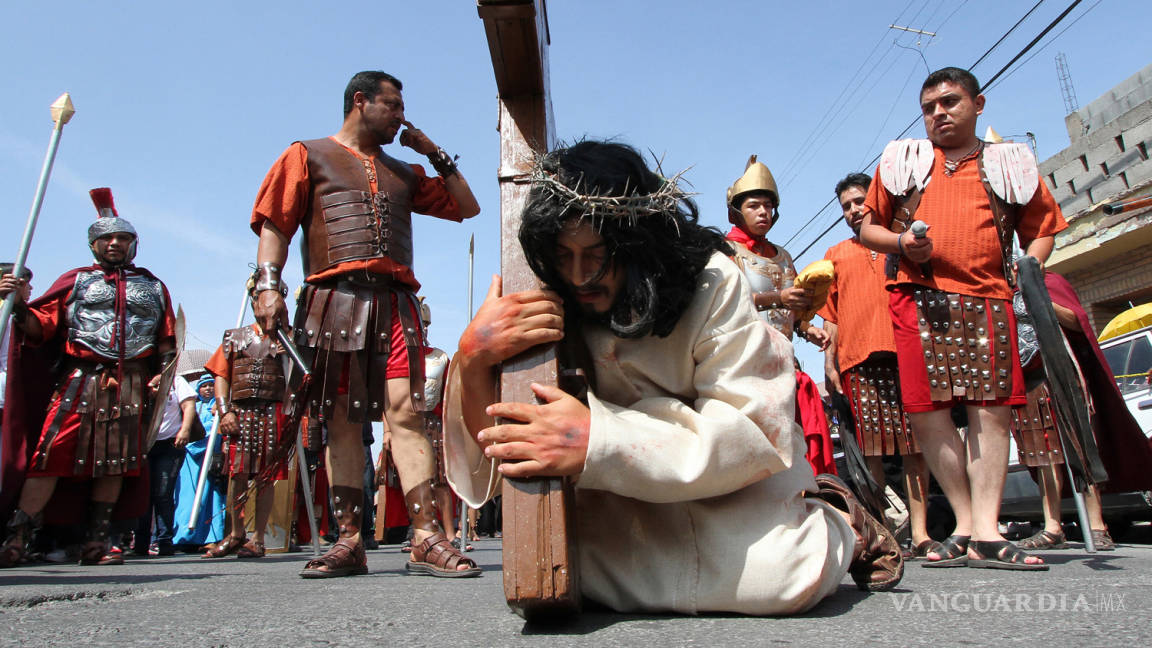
817,277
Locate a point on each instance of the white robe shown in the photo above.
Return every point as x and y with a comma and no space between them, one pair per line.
691,495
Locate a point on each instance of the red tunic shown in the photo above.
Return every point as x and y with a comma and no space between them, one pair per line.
966,257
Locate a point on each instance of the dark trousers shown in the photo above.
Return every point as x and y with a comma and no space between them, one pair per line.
164,461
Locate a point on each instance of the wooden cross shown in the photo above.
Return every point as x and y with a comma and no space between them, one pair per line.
540,575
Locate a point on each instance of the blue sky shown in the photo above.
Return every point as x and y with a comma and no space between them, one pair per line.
182,108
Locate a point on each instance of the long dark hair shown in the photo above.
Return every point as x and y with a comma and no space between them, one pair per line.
660,252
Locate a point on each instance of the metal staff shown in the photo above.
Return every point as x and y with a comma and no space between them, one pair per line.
213,434
471,266
305,482
62,111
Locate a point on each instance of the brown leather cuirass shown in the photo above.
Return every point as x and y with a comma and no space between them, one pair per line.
346,221
256,368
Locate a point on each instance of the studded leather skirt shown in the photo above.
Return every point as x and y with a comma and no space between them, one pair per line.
260,425
347,330
1034,428
954,349
873,390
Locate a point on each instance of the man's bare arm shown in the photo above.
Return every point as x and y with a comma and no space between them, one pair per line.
269,307
831,370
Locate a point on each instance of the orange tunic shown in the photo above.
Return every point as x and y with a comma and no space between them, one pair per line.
285,197
966,250
858,303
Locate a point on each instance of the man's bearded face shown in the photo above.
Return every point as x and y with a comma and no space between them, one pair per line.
852,205
581,255
384,115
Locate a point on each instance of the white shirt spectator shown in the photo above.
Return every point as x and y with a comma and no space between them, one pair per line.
173,417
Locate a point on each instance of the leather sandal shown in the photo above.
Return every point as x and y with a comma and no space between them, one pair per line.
251,549
225,547
953,552
437,557
1001,554
1102,540
921,549
97,553
877,562
345,558
1044,540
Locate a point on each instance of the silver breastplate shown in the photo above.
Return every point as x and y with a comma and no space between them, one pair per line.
91,314
434,365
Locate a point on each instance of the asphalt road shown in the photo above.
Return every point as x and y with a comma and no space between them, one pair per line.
1101,600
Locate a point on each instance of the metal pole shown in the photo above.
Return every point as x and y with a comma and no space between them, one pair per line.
212,436
306,487
62,111
464,535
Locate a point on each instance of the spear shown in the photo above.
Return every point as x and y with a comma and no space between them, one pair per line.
62,111
471,265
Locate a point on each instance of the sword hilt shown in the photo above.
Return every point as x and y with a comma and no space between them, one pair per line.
293,352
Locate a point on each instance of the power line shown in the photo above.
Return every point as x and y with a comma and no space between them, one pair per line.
986,85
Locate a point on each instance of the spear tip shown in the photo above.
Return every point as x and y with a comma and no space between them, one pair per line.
62,109
472,243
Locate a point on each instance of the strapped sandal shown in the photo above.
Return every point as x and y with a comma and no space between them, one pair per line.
1001,554
251,549
920,551
877,563
225,547
1102,540
20,526
1044,540
97,553
437,557
953,552
345,558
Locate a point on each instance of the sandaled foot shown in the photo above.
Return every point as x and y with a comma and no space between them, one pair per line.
953,552
251,549
226,547
345,558
1001,554
921,549
877,563
1044,540
406,546
1102,541
437,557
97,553
12,555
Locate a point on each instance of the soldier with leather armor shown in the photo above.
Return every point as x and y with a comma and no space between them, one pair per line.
357,319
115,324
249,375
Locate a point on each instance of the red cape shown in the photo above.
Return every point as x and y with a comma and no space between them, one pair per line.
1125,451
810,416
31,380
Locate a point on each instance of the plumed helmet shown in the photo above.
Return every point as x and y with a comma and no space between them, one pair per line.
756,177
109,222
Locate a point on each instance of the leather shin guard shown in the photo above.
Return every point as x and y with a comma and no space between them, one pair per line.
346,501
99,521
877,563
421,502
21,527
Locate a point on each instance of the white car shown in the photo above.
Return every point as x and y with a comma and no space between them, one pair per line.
1130,357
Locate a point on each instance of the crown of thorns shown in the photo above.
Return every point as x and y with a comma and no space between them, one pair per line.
630,207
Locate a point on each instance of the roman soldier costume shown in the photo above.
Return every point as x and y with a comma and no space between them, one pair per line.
109,322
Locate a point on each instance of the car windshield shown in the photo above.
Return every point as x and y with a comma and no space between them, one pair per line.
1130,363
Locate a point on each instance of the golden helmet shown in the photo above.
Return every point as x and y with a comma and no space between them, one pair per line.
756,177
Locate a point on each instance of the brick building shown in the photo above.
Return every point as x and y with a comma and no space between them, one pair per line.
1107,258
